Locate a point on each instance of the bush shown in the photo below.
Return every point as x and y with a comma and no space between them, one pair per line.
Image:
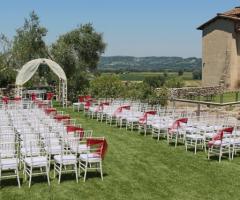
175,82
106,86
159,97
197,74
180,72
155,81
78,84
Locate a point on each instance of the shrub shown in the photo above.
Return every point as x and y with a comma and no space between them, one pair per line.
175,82
106,86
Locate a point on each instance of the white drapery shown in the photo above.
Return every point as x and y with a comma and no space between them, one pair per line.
29,69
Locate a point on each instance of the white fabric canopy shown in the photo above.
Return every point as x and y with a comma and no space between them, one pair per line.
29,69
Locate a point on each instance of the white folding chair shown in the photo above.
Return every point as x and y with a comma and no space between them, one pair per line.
65,160
34,160
92,159
9,161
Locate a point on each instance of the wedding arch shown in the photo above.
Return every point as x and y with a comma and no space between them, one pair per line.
30,68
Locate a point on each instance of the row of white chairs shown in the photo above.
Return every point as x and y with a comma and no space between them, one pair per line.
33,140
198,132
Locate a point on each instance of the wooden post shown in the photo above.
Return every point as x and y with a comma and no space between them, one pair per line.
198,109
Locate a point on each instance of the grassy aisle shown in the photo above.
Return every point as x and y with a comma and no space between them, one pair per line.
138,167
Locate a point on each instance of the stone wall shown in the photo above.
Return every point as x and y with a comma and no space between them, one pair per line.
189,92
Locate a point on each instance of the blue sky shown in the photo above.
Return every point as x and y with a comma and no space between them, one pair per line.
129,27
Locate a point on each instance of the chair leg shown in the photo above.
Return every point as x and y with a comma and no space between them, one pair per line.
220,155
76,171
54,171
30,177
0,176
18,180
176,140
205,148
195,149
59,173
47,172
101,171
229,153
24,171
85,171
233,152
79,169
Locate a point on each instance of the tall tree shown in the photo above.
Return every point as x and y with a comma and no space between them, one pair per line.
79,50
28,43
7,72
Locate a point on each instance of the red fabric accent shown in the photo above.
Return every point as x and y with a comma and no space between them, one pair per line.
41,104
80,99
87,97
33,96
219,135
143,119
120,109
50,110
87,105
182,120
101,145
72,128
177,123
5,99
17,99
50,96
100,106
61,117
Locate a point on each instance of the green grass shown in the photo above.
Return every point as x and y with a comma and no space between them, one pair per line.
139,76
139,167
226,97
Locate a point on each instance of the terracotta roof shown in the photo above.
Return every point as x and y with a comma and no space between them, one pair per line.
233,14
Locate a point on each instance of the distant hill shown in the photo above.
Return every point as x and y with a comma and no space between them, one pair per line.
129,63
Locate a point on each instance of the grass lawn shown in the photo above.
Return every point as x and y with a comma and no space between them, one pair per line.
138,167
139,76
227,97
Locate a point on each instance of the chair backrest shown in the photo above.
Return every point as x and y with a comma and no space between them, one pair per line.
17,99
87,97
101,106
51,111
143,119
177,123
220,134
120,109
100,145
87,105
80,99
33,96
60,118
50,96
8,149
73,128
5,99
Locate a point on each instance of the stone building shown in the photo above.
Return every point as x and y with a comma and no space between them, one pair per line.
221,50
